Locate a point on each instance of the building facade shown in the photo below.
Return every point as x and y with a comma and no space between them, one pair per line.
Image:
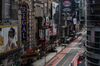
43,18
93,33
17,30
26,22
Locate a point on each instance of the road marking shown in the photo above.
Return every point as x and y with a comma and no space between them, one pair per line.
68,50
62,55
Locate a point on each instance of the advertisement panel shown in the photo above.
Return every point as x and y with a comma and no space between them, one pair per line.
8,38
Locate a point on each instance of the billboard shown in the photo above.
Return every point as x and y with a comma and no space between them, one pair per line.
8,38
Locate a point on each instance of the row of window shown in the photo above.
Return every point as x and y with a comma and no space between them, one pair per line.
92,61
97,51
90,64
0,9
93,9
93,1
97,36
12,9
93,17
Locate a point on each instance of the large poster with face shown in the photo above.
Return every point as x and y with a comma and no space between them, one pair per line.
8,38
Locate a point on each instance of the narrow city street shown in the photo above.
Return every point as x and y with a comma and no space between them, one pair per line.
42,32
65,56
49,32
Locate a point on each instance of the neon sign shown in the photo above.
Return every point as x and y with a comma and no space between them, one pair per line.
24,14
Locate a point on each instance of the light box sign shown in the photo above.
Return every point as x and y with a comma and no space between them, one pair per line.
24,29
8,38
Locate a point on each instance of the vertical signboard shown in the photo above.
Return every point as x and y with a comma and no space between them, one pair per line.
24,23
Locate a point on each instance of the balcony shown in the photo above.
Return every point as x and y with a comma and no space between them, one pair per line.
89,63
93,44
93,50
92,60
93,47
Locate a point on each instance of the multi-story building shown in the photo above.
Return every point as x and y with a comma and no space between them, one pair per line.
16,29
9,39
93,33
8,20
20,14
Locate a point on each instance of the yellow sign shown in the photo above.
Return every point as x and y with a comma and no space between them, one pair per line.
1,40
6,26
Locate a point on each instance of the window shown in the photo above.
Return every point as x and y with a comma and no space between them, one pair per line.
97,39
97,36
88,32
0,29
13,10
89,35
0,9
97,33
93,60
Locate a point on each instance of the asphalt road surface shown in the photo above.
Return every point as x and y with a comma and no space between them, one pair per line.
65,57
68,58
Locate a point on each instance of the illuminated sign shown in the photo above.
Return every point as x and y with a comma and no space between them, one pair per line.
66,3
1,40
24,15
8,38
